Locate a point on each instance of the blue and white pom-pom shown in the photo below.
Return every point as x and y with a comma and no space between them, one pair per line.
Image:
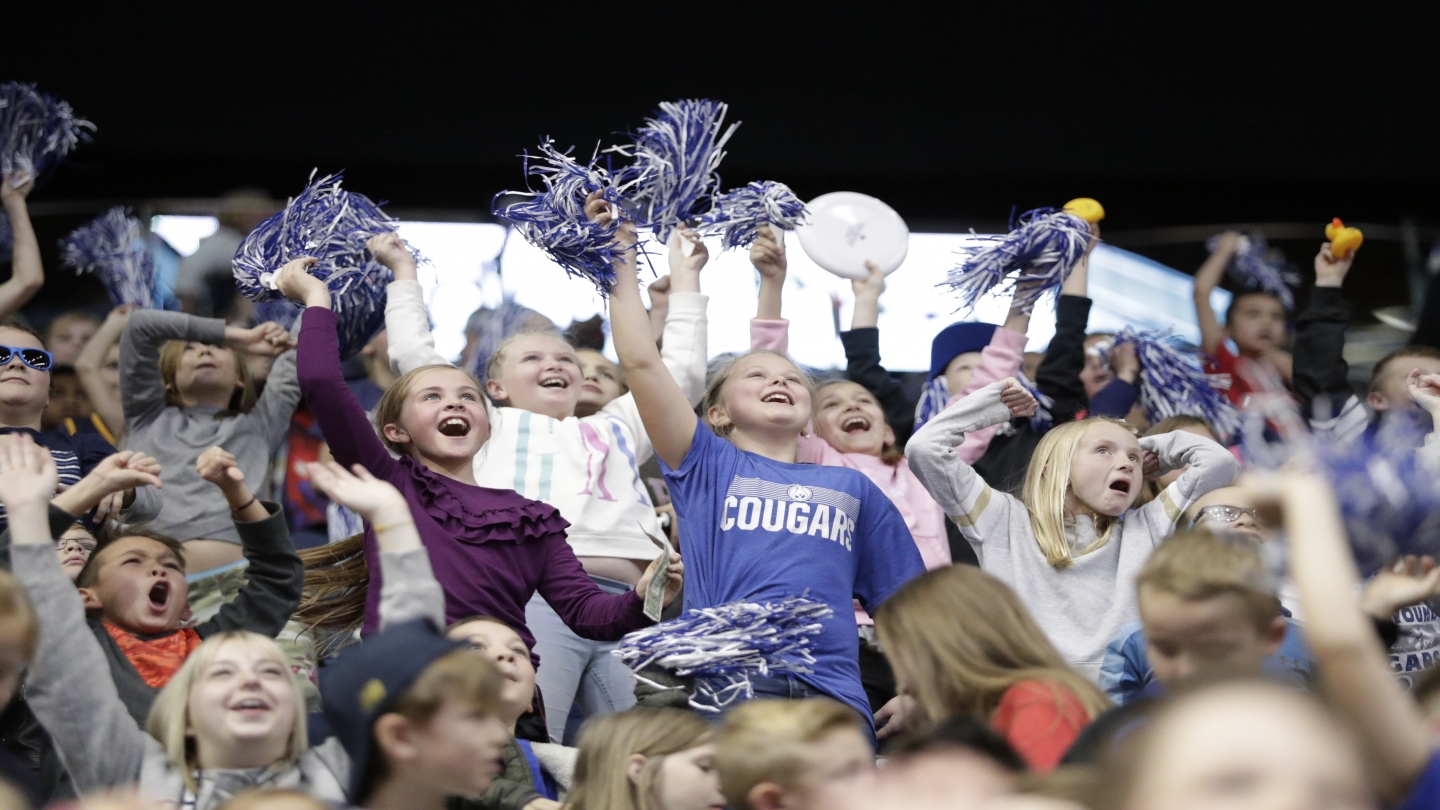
730,642
37,131
554,221
1043,244
740,212
1043,418
112,246
1174,382
1257,267
330,224
673,178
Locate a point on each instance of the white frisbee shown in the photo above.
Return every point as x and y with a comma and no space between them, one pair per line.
845,229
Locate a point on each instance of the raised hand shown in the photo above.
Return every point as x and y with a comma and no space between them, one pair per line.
675,577
218,466
16,187
1410,581
27,473
601,211
872,286
1424,390
268,339
371,498
1124,362
767,253
686,252
295,282
1330,271
659,291
390,250
1016,398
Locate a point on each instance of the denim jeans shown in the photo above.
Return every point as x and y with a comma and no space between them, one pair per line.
575,670
781,687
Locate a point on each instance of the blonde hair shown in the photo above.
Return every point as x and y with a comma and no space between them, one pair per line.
1048,481
240,402
987,644
715,389
15,610
608,742
1196,565
764,741
497,360
392,403
169,720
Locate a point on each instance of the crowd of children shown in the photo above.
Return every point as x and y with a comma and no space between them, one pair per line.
1016,593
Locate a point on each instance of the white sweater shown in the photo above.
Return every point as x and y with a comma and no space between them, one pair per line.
587,468
1080,608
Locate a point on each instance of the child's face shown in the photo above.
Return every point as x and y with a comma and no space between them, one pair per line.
688,781
538,373
69,340
848,417
245,694
140,586
67,399
1096,374
600,382
1105,471
206,370
22,387
1245,748
959,371
12,660
1198,430
1394,394
507,650
1214,521
1256,322
764,393
443,417
74,548
459,749
110,372
841,755
1196,639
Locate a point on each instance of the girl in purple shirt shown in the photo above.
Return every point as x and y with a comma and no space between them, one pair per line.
492,549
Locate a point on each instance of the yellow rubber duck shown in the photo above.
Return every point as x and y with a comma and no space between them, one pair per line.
1087,209
1343,241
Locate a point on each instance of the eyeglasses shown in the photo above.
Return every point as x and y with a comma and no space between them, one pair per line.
1221,513
38,359
86,544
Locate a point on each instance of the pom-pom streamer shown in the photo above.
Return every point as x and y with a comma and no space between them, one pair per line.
673,178
554,221
1174,383
731,642
37,131
1257,267
1043,418
1043,246
739,213
112,246
332,225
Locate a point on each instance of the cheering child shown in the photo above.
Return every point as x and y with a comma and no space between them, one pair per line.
1255,322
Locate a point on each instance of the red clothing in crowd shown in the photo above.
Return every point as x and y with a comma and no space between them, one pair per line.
1040,719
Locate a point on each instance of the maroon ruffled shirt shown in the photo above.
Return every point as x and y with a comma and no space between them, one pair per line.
491,549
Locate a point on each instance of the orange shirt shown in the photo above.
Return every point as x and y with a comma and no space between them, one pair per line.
1040,720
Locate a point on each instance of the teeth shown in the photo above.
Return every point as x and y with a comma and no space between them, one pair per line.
556,383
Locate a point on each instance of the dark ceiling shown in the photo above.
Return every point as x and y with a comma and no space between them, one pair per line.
1170,114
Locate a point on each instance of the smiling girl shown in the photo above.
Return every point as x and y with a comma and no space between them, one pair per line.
1071,546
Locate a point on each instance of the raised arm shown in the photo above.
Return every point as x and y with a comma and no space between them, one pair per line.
407,324
1208,467
862,356
1320,372
1354,669
767,254
69,688
667,414
343,423
89,367
1207,278
27,275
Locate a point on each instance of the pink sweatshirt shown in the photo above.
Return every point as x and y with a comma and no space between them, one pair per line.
923,516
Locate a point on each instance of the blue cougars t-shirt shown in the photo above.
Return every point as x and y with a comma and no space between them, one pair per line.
752,529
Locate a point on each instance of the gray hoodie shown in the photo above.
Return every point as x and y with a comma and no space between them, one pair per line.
1080,608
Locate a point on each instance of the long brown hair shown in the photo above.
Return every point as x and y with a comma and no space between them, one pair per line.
333,600
986,643
608,742
241,401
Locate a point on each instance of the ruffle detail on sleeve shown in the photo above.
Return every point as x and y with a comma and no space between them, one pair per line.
481,515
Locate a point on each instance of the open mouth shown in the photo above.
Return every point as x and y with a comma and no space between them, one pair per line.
454,426
780,397
855,424
554,382
250,705
160,595
1121,485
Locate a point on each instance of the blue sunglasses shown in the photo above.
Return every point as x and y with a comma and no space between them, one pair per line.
38,359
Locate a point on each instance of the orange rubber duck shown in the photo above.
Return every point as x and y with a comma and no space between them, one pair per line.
1343,241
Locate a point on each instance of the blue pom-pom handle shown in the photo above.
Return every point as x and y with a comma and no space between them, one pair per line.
1043,246
730,642
1174,382
553,219
332,225
1256,267
37,131
673,178
739,213
112,246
